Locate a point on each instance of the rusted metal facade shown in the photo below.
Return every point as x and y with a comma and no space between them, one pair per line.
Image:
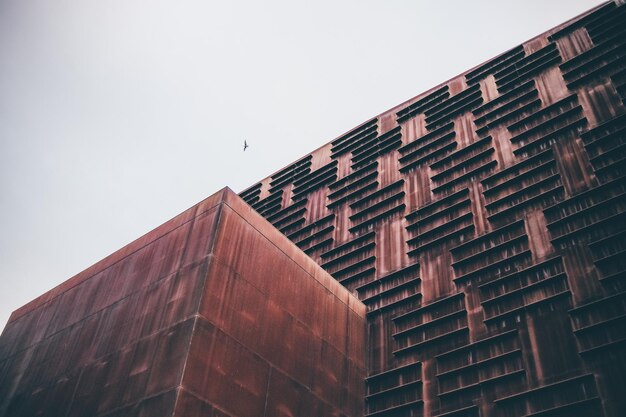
213,314
483,223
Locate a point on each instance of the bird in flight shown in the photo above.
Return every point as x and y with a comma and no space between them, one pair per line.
245,145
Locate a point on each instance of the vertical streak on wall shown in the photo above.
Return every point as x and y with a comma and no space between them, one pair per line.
498,221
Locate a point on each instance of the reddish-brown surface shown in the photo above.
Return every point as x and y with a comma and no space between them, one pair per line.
483,223
215,313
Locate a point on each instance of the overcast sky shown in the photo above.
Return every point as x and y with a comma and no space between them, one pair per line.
117,115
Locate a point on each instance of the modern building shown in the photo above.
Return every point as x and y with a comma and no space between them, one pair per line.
466,257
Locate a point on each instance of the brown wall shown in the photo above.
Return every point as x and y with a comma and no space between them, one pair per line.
276,335
213,313
482,223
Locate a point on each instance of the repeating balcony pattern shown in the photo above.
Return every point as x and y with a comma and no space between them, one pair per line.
483,224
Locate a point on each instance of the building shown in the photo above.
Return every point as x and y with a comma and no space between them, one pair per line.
190,320
479,230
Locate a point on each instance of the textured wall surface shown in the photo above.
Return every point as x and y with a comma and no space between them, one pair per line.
215,313
483,223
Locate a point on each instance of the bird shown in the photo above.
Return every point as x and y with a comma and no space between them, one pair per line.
245,145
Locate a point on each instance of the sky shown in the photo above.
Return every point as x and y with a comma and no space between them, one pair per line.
117,115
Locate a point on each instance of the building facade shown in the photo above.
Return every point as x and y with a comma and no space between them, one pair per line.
466,257
483,223
212,314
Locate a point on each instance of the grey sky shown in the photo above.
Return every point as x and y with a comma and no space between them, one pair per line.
117,115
